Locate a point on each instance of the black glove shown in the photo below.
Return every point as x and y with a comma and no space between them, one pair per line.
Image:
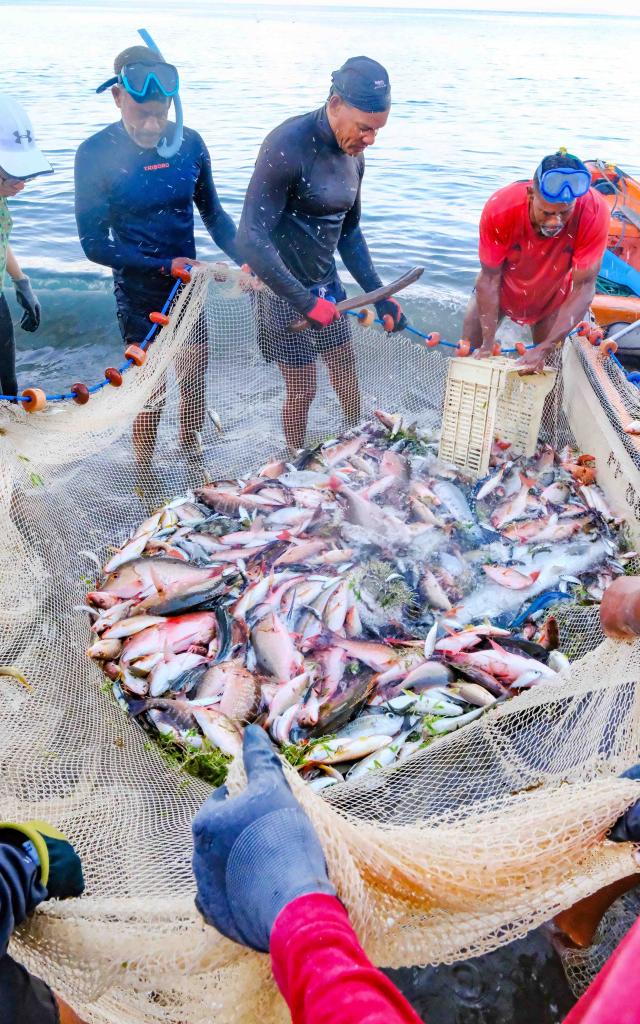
389,307
255,853
627,827
24,294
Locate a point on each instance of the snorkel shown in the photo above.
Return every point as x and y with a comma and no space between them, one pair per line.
167,148
170,145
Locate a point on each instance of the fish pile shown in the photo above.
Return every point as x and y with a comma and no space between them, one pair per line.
357,602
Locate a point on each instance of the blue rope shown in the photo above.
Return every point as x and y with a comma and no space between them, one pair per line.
68,396
634,378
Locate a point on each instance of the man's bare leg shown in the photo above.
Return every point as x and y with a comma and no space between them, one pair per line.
191,368
341,367
300,383
145,426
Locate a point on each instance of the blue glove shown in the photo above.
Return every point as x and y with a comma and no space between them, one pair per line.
627,827
24,294
389,307
255,853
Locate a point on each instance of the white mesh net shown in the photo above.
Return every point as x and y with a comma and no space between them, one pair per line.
478,838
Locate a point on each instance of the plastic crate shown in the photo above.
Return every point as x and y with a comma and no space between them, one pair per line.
485,399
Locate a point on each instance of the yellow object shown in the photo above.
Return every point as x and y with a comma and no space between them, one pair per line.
10,670
35,830
487,399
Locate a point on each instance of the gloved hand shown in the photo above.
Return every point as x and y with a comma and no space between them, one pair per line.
60,865
24,294
322,314
389,307
627,827
255,853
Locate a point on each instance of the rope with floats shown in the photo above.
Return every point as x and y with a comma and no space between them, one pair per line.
35,399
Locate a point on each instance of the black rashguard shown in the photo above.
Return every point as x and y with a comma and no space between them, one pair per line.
303,203
134,208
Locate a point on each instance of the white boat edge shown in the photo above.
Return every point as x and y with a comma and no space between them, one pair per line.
593,421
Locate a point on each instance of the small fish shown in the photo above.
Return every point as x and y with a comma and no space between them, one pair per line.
335,750
215,419
510,577
105,650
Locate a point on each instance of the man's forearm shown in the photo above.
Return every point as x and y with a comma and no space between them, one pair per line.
571,312
488,298
323,972
13,267
357,259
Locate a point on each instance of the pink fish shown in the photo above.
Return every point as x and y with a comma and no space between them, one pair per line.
515,507
509,577
171,636
500,663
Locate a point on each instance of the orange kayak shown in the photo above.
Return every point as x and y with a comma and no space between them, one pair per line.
621,192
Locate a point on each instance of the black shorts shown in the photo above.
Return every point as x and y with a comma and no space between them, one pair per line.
279,345
134,308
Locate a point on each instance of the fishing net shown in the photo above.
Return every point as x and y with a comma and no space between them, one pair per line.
466,845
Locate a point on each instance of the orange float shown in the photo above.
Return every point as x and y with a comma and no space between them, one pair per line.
159,318
433,339
113,376
497,348
595,336
388,323
583,329
80,393
181,274
608,348
463,347
34,399
520,347
136,354
366,317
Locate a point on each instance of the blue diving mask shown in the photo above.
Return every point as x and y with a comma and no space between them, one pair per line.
563,184
146,81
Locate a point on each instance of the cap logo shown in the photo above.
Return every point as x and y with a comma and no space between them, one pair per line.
380,84
18,137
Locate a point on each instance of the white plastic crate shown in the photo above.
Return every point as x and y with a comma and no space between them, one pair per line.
485,399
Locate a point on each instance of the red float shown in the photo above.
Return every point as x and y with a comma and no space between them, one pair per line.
433,339
113,376
80,393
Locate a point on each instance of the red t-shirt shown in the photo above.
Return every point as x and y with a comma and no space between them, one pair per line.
537,271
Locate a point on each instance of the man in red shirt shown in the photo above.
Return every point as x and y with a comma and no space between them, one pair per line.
541,244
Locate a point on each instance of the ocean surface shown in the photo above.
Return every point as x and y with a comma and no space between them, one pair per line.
479,98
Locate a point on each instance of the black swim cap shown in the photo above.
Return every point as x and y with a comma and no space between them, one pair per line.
364,84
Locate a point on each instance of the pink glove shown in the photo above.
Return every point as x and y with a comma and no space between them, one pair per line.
323,314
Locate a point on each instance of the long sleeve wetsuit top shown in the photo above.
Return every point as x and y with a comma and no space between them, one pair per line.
23,997
303,203
134,208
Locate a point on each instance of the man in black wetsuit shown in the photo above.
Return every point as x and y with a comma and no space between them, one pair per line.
303,203
134,209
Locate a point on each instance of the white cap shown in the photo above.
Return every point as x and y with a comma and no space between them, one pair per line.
19,155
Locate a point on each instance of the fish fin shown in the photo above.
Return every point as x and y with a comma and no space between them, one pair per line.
534,575
496,646
527,481
335,483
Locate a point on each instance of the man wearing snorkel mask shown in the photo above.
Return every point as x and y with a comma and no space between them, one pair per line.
136,185
541,244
